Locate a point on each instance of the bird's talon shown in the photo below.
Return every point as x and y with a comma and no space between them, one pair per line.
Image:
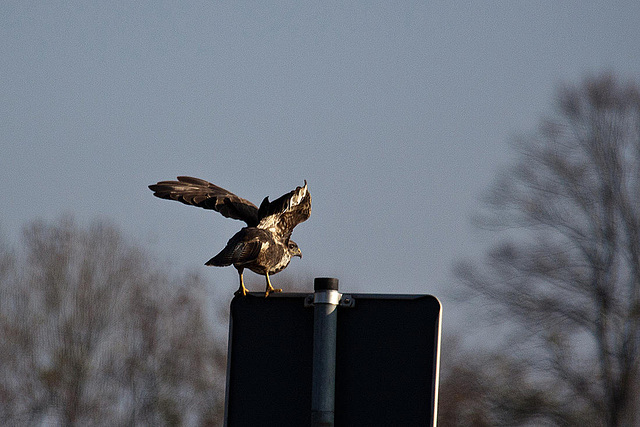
242,290
272,290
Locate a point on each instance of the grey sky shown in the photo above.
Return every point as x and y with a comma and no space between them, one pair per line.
397,113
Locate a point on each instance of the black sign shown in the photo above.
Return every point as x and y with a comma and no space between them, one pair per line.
386,361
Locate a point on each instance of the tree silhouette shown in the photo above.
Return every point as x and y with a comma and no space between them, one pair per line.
565,278
93,333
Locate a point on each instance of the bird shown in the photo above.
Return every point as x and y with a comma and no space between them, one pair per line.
264,246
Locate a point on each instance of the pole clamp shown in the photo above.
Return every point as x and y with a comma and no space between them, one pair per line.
329,297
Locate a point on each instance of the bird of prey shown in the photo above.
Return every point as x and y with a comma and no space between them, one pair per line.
264,246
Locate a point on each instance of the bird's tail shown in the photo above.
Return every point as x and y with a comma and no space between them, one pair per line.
223,259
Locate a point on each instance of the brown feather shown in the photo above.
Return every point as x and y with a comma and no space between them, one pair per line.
201,193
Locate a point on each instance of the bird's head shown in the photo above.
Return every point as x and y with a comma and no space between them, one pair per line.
294,250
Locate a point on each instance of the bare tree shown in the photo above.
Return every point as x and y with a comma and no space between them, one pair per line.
93,333
489,387
464,388
566,275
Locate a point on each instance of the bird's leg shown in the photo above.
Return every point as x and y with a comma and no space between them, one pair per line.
241,290
269,287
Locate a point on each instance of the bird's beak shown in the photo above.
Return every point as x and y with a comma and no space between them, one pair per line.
299,254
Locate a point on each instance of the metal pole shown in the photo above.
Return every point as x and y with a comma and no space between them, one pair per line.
325,315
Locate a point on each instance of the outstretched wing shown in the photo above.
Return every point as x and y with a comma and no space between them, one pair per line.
283,214
201,193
